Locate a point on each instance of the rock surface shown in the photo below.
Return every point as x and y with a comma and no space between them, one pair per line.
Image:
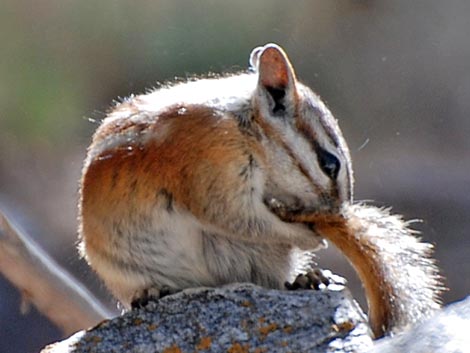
237,318
448,331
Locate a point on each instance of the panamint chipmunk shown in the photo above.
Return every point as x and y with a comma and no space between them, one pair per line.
236,179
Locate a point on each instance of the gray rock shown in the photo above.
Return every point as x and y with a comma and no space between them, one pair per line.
448,331
236,319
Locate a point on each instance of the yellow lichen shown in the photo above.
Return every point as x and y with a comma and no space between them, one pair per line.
246,303
343,326
238,348
204,343
266,330
96,339
288,329
152,327
173,349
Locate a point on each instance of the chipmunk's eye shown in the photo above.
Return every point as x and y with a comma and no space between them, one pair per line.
328,162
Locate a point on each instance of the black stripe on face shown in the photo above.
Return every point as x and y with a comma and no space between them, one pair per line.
275,136
327,161
325,118
329,166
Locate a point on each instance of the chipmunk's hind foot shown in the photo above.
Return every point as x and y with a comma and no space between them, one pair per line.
316,279
142,297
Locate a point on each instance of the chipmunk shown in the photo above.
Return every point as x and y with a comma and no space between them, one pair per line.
239,179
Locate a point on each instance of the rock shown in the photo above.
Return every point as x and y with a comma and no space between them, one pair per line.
236,318
448,331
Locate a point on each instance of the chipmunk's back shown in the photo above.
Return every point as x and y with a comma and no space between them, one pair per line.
223,94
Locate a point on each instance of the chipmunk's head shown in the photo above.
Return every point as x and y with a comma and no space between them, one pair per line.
308,159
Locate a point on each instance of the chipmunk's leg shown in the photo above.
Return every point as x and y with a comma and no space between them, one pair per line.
315,279
142,297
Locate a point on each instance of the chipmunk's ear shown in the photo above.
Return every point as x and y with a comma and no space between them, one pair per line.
276,79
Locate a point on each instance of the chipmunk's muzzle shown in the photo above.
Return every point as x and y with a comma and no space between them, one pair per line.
320,220
294,212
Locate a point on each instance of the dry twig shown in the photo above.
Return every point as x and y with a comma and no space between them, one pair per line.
44,283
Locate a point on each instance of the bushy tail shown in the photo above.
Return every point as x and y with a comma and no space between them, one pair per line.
401,280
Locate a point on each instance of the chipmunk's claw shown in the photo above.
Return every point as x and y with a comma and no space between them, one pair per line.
143,297
316,279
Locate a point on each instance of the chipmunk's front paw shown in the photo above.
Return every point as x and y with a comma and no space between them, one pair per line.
142,297
316,279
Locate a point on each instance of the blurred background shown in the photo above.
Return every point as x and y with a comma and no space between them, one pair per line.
396,74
